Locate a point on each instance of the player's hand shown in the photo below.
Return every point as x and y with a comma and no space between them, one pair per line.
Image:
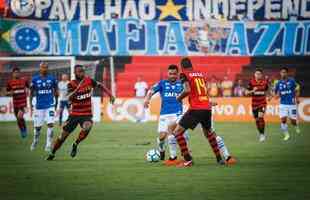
31,110
269,98
146,103
112,99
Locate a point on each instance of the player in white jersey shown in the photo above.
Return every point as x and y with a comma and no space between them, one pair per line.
63,96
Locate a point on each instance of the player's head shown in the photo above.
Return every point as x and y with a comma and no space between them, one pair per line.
258,74
64,77
186,64
79,72
173,73
43,68
284,72
15,72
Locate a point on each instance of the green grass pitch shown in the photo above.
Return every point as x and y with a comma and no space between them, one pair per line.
110,165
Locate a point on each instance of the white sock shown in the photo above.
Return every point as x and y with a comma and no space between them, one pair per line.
161,145
222,147
36,135
172,144
284,128
49,136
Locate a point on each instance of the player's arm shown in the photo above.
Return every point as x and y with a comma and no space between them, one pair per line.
297,93
105,90
156,88
31,95
276,91
250,90
186,87
9,91
56,93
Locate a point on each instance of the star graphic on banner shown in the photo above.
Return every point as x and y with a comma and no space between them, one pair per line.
170,9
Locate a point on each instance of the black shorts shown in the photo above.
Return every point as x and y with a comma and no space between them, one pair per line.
73,121
258,110
193,117
16,110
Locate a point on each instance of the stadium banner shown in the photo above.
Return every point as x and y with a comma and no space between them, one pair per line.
7,111
186,10
228,110
151,37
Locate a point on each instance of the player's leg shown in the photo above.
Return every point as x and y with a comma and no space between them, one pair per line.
161,142
86,125
38,120
293,117
50,119
61,110
260,122
68,128
284,112
19,114
57,144
205,118
188,121
163,132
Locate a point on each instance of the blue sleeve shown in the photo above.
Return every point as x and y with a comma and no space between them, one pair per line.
157,87
33,83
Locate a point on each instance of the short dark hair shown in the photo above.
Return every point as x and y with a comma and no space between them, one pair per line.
15,69
173,67
78,66
259,70
186,63
284,68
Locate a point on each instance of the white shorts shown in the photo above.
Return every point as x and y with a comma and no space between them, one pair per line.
166,120
289,111
43,115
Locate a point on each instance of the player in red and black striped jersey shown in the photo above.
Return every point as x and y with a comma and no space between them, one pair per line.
17,88
258,88
199,112
80,92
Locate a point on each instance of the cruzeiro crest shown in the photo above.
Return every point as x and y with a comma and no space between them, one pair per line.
28,38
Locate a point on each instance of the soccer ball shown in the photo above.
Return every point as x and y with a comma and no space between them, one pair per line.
152,155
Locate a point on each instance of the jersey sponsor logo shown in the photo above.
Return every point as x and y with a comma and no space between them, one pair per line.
84,96
259,93
170,94
19,91
285,92
44,91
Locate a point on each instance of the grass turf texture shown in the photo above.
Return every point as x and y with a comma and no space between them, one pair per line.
110,165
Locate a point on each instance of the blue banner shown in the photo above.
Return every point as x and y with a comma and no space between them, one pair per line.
185,10
151,37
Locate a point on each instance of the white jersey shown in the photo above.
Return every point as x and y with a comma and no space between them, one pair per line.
141,88
63,90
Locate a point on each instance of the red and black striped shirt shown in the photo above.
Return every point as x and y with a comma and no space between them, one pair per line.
18,87
81,104
259,96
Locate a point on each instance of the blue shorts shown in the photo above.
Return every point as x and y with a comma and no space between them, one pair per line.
64,104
